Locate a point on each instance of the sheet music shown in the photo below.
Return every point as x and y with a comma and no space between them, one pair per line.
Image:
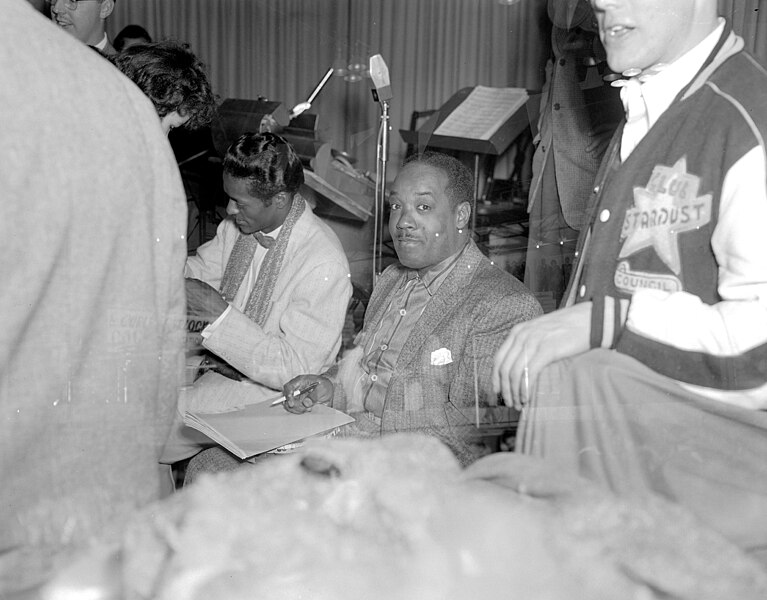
483,111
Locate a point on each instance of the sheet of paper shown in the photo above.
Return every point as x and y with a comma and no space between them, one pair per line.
483,111
213,393
261,427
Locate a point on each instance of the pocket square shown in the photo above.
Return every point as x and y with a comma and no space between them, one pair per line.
441,357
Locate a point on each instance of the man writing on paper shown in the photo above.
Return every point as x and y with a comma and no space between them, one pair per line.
422,361
273,284
653,379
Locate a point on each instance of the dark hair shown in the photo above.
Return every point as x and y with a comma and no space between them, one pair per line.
268,161
460,182
131,32
173,78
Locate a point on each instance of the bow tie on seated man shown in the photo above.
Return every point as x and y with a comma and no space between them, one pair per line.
269,292
263,239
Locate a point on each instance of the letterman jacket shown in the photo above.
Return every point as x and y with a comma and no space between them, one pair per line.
675,257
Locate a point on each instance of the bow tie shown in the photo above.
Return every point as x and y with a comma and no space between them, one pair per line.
634,74
263,239
637,119
631,90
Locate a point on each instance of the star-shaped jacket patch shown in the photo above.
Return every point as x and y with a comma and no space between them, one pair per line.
666,207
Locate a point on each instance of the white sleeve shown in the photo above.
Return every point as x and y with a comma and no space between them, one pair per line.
309,334
208,263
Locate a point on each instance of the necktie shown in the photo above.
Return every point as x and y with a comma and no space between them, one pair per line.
637,119
263,239
637,123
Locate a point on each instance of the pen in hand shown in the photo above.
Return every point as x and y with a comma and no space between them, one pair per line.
296,393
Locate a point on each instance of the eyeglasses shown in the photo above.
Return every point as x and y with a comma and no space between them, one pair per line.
70,4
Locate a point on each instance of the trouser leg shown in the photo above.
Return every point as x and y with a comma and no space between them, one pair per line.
609,418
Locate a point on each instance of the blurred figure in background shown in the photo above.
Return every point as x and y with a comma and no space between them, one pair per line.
86,20
41,5
130,35
579,113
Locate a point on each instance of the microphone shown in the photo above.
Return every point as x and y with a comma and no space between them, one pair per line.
379,73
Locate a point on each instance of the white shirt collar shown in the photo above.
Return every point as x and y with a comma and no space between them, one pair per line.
103,43
275,232
660,89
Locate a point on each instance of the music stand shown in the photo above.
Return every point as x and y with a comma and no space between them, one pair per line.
237,116
493,145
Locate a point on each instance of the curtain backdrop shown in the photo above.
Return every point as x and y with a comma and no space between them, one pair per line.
280,49
749,19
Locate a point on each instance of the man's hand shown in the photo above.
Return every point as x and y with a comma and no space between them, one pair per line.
321,394
203,301
534,344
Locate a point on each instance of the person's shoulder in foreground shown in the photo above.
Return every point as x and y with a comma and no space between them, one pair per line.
92,257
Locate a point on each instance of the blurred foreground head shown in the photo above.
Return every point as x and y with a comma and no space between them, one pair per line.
396,518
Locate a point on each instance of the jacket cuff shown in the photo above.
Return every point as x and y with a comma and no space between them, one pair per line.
608,317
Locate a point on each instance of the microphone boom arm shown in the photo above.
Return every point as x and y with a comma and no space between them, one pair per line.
304,106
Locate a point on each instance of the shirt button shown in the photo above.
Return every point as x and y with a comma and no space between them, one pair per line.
374,377
384,346
596,189
604,216
402,312
562,61
556,106
582,291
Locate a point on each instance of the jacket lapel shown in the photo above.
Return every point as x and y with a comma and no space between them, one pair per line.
447,296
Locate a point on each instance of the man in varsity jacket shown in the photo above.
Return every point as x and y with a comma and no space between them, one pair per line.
653,377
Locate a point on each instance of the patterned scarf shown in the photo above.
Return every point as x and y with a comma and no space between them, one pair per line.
241,258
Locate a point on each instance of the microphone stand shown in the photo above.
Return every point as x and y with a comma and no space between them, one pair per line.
379,73
382,156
